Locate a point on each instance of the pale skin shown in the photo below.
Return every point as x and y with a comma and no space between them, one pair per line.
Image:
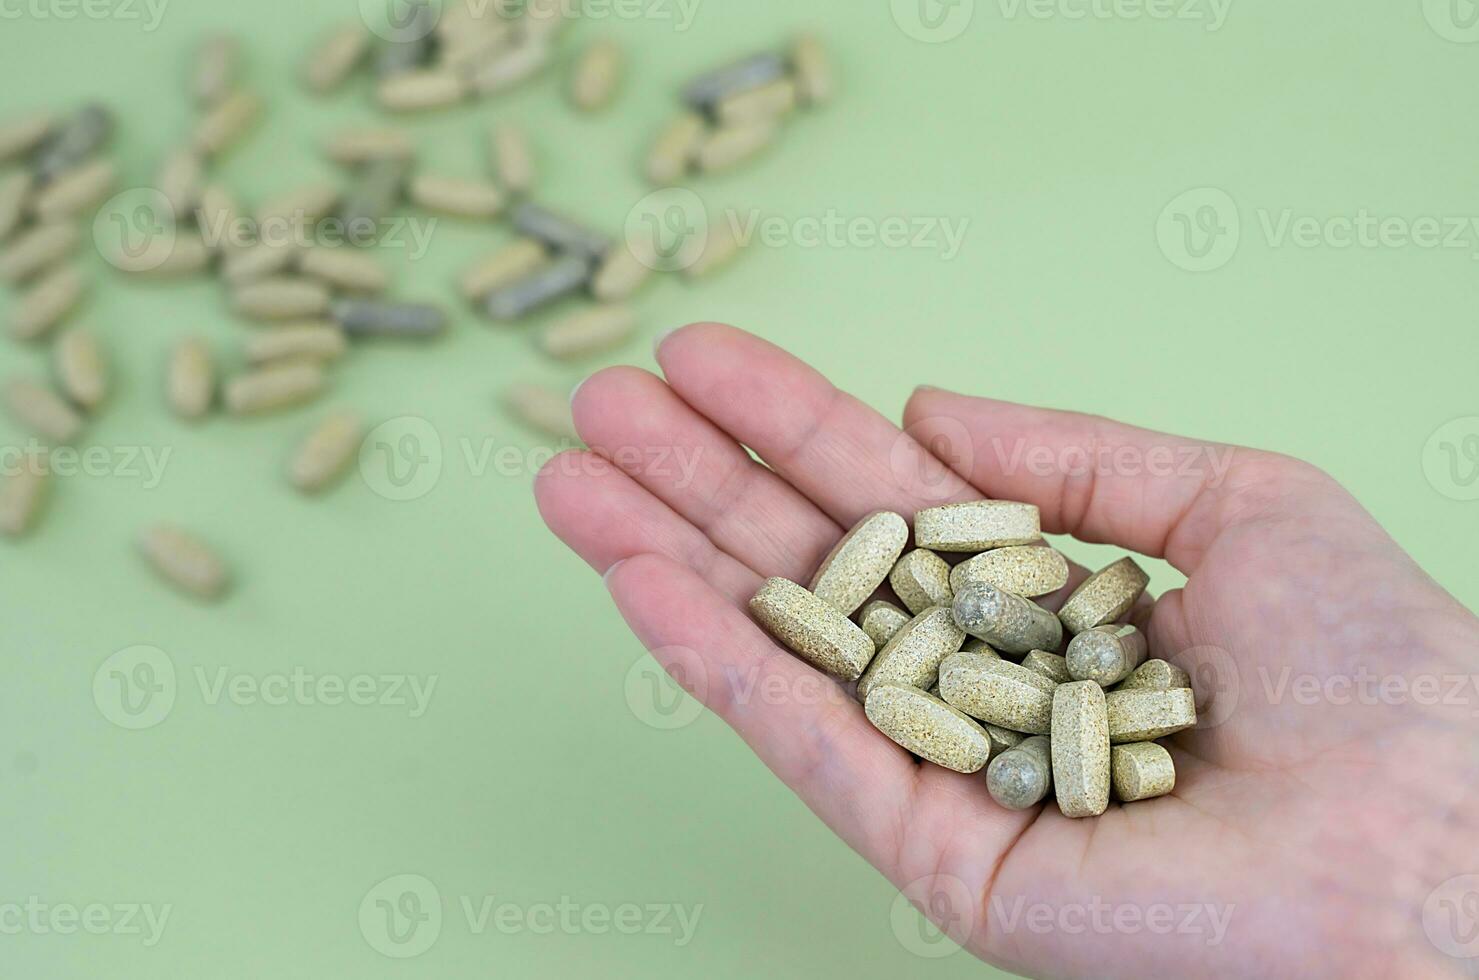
1313,827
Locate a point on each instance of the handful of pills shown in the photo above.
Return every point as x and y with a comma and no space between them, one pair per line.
976,675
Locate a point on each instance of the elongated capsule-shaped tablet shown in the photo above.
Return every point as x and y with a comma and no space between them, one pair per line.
335,57
21,134
727,147
258,262
1106,654
1141,771
184,561
414,91
921,579
928,727
509,67
81,369
273,387
1008,622
768,102
588,332
184,254
509,264
365,144
1104,596
324,455
542,409
977,525
218,218
1144,715
302,205
998,691
467,39
380,189
72,141
300,341
456,196
15,195
550,282
47,303
216,63
1156,675
1021,776
179,180
1050,665
739,76
812,70
513,158
1024,570
23,493
41,410
912,658
410,38
559,233
226,123
621,273
676,148
191,380
596,76
860,562
721,246
281,298
1080,748
345,268
376,318
882,620
816,631
38,249
77,190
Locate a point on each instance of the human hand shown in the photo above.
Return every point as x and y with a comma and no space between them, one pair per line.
1306,834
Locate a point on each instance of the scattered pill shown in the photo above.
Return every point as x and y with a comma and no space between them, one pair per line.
815,630
513,158
325,454
912,658
813,70
727,147
596,75
37,249
21,134
921,579
550,282
589,331
381,187
185,255
768,102
507,265
998,692
375,318
881,620
273,387
1144,715
75,191
72,141
335,57
456,196
1024,570
977,526
859,563
215,69
748,73
184,561
226,123
621,273
412,91
1021,776
1008,622
345,268
47,303
191,384
1104,596
179,180
219,219
301,206
41,410
1080,749
305,341
558,232
676,148
928,727
355,146
15,195
542,409
1156,675
1141,771
1050,665
23,494
81,369
1106,654
261,261
721,246
281,298
409,38
509,66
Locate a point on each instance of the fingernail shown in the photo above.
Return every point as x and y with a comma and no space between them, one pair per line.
657,341
576,390
606,578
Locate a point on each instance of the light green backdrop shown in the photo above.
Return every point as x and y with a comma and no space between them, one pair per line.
1056,141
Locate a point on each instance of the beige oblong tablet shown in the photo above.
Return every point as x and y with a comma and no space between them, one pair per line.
41,410
509,66
363,145
184,561
216,62
813,70
75,191
187,255
307,341
542,409
507,265
226,122
596,75
1024,570
81,369
23,494
1080,746
620,274
512,158
274,387
260,261
410,91
15,196
1050,665
1106,654
37,249
281,298
325,454
881,620
977,526
860,561
1156,675
928,727
47,303
457,196
191,379
721,246
300,206
1008,622
1141,771
1021,776
729,146
1144,715
1104,596
676,148
763,103
912,658
20,134
998,691
821,635
921,579
588,332
334,58
218,217
179,180
344,268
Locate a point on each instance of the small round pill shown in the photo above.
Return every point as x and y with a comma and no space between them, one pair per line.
1106,654
1104,596
596,75
921,579
1021,776
1141,771
860,562
191,384
928,727
1080,749
184,561
815,630
977,526
325,453
80,368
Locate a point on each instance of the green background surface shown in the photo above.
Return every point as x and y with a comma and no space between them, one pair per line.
531,776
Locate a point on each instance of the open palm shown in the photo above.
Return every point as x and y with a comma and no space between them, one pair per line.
1310,823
